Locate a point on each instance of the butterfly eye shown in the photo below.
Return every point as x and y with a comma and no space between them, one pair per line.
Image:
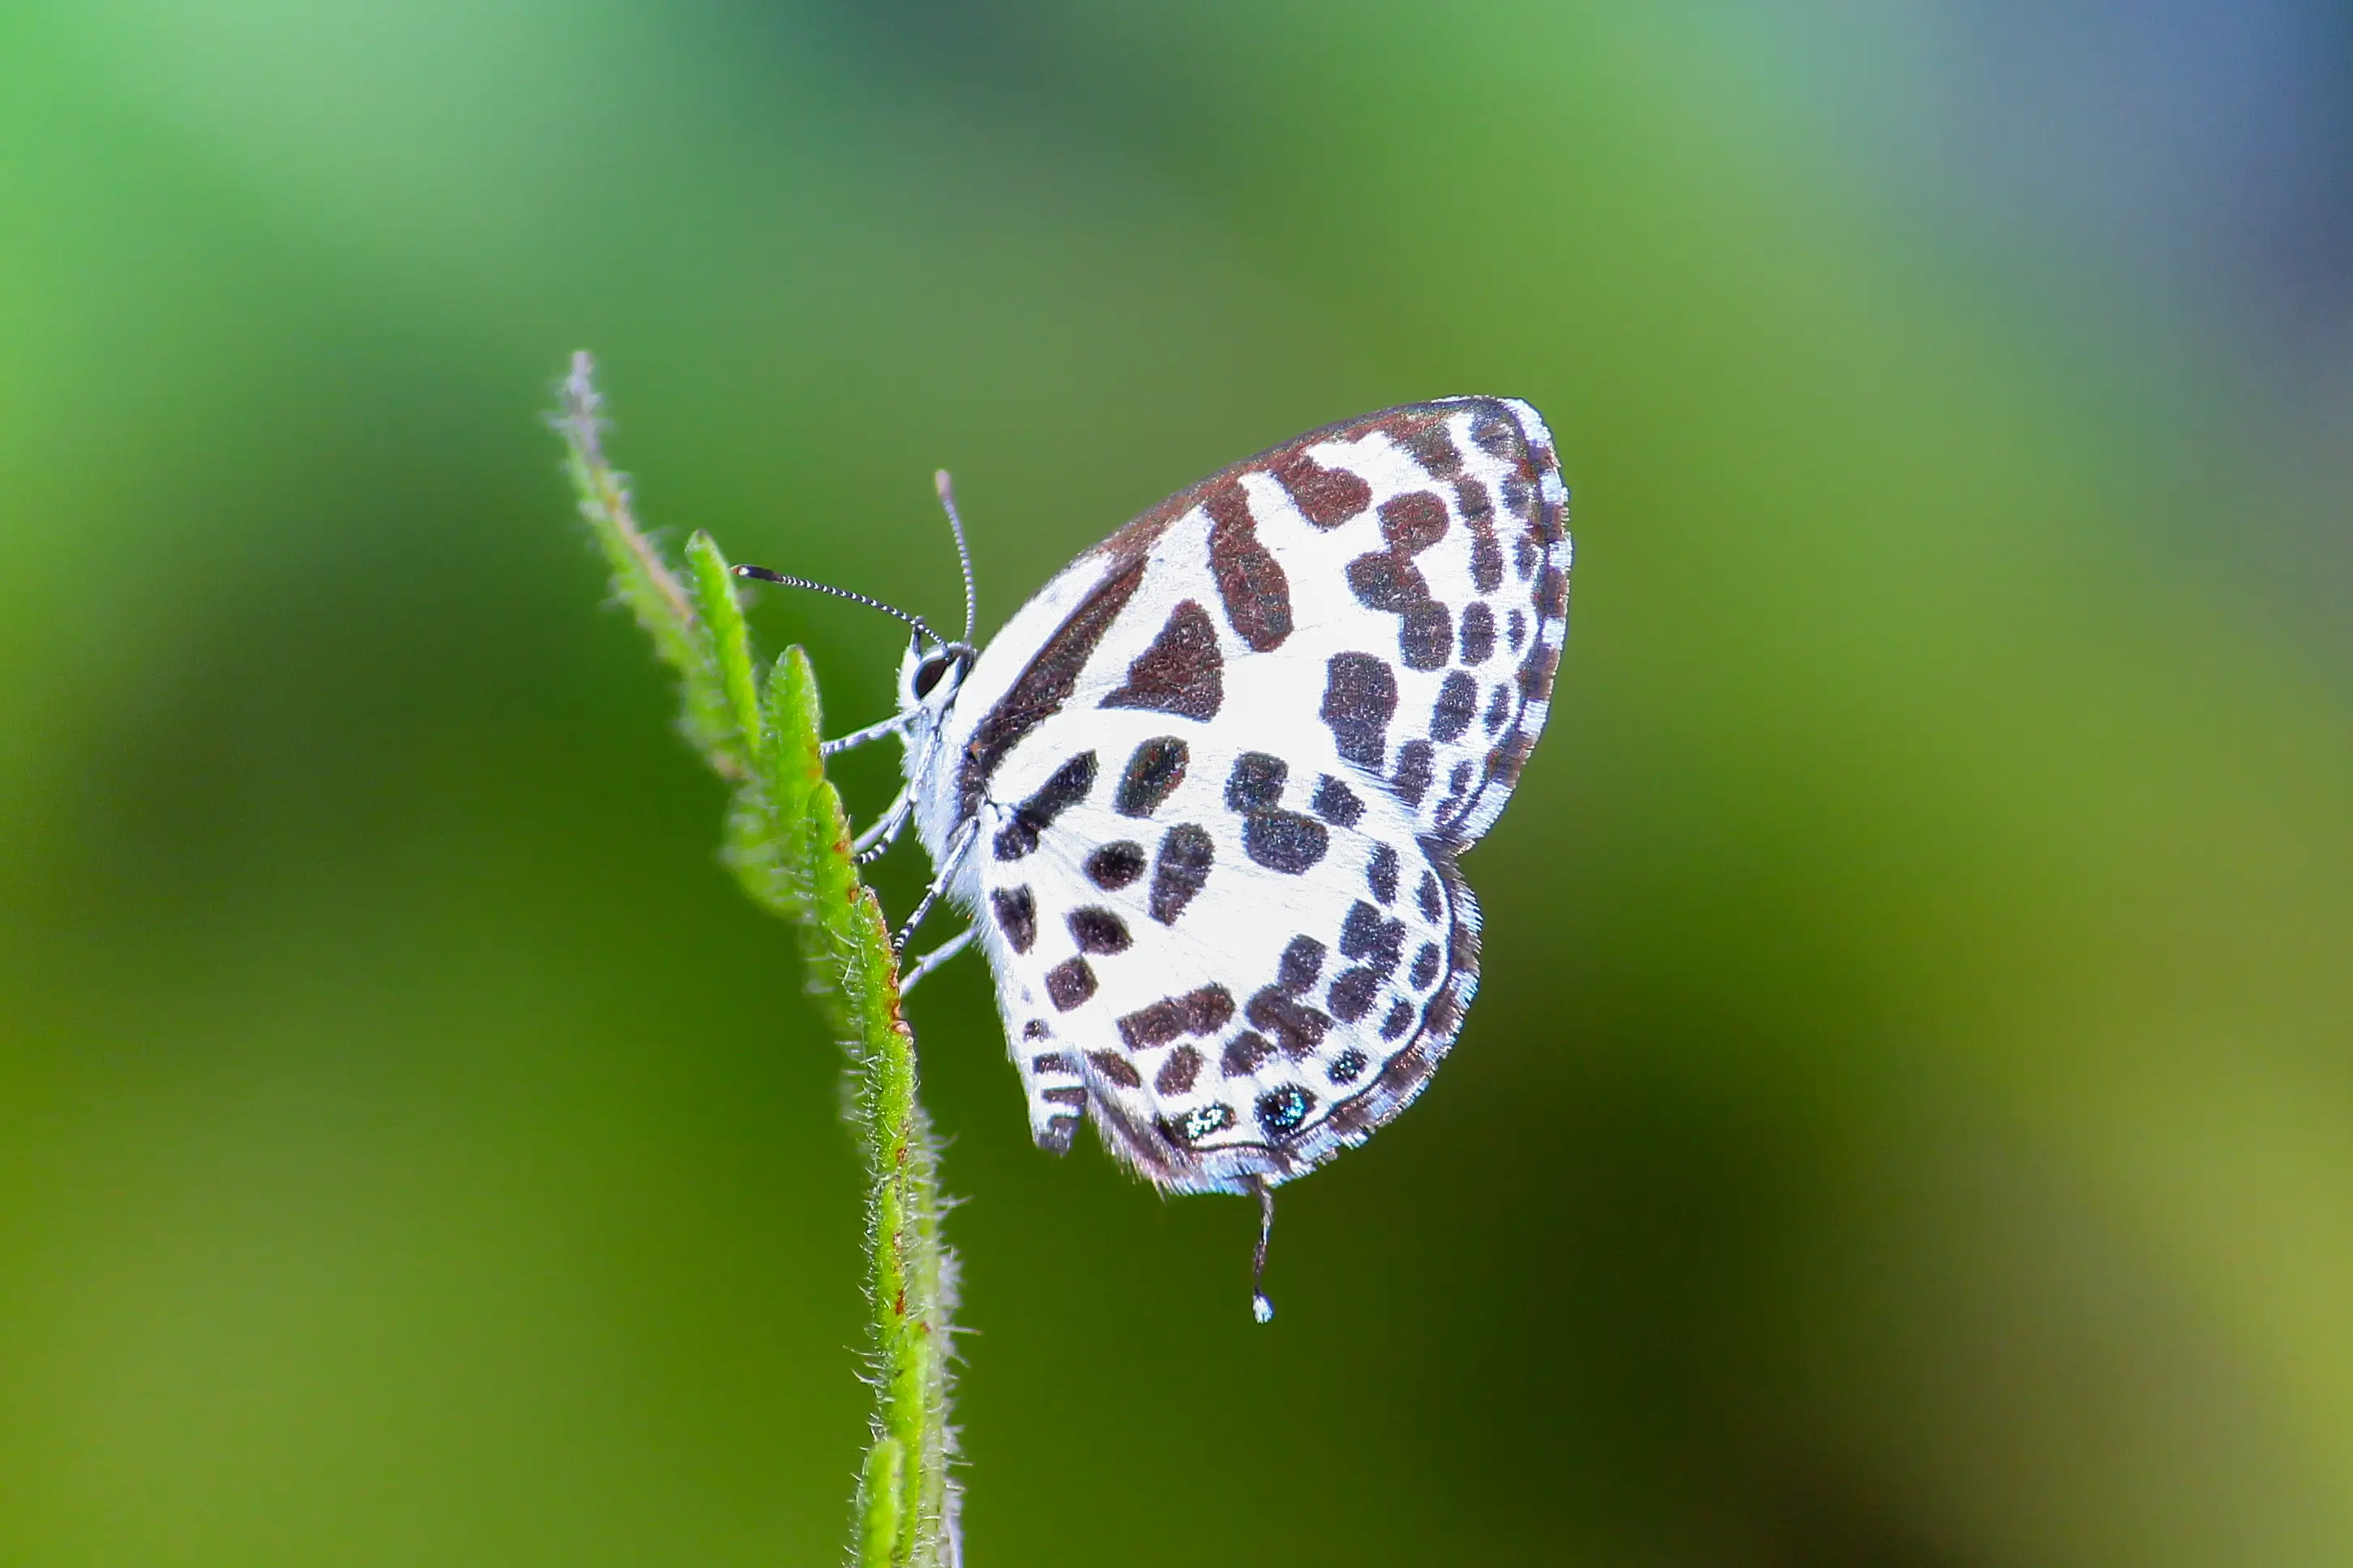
928,673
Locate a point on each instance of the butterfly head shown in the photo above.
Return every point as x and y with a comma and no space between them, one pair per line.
933,669
931,674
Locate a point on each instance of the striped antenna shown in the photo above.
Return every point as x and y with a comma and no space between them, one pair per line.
762,574
963,555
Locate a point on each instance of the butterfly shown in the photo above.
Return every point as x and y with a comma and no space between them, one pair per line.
1204,796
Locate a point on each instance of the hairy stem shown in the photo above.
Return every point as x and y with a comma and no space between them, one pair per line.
787,842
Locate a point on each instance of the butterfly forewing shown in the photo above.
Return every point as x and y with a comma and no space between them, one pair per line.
1219,772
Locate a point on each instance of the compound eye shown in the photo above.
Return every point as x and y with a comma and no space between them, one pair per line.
928,673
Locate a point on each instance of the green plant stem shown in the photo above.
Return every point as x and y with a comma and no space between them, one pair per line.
787,841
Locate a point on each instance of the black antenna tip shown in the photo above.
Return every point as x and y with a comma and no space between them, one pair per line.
761,573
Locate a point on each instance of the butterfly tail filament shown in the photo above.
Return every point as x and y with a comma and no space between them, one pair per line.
1261,1308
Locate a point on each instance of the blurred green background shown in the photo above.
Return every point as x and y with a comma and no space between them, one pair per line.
1908,1116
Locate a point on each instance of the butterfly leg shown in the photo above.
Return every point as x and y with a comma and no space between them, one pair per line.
934,959
875,732
870,845
950,862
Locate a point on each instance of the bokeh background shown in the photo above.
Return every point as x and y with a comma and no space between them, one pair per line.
1908,1117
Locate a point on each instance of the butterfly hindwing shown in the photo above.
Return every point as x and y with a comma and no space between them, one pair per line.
1237,972
1220,770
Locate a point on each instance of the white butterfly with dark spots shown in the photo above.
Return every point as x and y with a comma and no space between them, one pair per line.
1205,795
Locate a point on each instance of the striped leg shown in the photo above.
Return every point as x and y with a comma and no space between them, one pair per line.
934,959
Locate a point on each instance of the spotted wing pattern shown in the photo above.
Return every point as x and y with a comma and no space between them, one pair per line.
1220,771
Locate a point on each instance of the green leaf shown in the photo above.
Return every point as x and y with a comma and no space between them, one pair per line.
880,1485
730,639
641,578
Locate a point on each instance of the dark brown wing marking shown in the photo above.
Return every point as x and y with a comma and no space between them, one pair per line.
1250,583
1181,673
1043,688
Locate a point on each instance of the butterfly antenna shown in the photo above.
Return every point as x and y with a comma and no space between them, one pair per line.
1261,1308
762,574
964,554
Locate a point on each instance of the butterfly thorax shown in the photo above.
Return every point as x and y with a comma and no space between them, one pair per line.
932,677
960,731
